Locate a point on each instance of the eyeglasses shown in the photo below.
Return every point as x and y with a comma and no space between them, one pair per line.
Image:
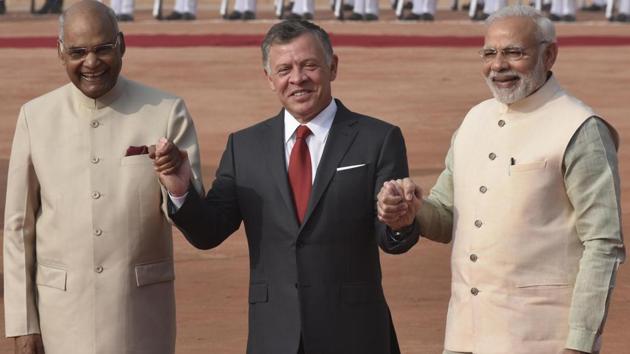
100,50
509,53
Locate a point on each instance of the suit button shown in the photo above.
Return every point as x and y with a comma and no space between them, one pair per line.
478,223
95,159
98,232
473,257
99,269
96,195
474,291
492,156
483,189
94,123
297,285
501,123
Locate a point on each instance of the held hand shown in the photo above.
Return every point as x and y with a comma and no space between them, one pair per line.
572,351
29,344
398,202
173,167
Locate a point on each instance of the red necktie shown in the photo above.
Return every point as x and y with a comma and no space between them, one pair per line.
300,171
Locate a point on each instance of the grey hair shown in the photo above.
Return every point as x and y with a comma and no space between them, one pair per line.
288,30
545,30
111,15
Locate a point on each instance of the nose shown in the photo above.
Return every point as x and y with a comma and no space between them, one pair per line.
91,59
499,62
297,75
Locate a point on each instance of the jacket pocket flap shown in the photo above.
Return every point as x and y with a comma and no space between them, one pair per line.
258,293
52,277
152,273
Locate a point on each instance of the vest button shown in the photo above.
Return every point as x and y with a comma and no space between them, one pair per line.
99,269
483,189
473,257
501,123
98,232
492,156
478,223
95,159
96,195
94,123
474,291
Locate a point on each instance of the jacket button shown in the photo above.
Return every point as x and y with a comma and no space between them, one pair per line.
492,156
501,123
474,291
96,195
95,159
473,257
483,189
94,123
99,269
478,223
98,232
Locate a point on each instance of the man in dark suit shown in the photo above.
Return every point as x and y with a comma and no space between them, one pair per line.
304,183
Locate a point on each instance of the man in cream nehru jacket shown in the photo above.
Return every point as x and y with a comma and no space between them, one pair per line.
530,199
88,259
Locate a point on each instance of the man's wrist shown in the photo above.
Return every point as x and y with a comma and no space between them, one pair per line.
402,233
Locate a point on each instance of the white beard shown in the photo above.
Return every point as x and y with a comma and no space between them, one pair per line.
527,83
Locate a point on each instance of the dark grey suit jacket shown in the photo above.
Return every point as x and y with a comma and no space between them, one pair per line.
320,280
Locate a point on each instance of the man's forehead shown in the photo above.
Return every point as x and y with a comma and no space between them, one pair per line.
82,29
303,45
511,31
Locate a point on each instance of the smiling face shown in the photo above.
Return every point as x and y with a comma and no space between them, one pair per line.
513,80
88,26
300,76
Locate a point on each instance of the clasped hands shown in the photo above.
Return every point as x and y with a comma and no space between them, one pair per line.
398,202
172,166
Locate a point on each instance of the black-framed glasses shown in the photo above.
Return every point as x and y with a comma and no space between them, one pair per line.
509,53
100,50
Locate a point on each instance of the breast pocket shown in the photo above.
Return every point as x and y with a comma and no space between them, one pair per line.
530,167
352,187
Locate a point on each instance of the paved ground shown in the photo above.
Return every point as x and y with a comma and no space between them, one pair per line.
424,90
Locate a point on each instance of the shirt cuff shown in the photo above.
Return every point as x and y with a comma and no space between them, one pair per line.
581,339
177,201
401,235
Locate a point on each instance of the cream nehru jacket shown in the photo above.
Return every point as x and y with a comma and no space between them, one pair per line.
515,252
88,258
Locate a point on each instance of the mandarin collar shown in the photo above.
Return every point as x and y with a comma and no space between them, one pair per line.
534,101
103,101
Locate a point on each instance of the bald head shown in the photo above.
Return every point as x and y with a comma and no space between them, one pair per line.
88,13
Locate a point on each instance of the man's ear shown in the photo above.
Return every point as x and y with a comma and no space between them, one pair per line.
269,78
550,55
123,46
334,64
60,53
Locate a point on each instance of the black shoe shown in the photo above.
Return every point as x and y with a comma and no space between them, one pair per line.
621,18
370,17
411,17
466,7
124,17
406,6
175,16
234,15
291,16
187,16
3,8
427,17
480,16
355,17
249,15
568,18
593,8
554,17
307,16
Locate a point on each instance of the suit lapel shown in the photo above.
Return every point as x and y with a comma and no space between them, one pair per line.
273,142
342,133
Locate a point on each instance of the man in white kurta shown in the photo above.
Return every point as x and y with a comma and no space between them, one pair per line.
530,199
88,260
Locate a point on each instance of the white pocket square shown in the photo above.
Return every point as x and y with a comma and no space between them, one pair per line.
349,167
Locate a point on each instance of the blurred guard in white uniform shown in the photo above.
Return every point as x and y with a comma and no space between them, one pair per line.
302,9
185,10
423,10
364,10
123,9
563,10
243,10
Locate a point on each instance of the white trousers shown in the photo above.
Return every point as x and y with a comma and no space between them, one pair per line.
366,7
563,7
186,6
245,5
490,6
424,7
121,7
301,7
624,7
